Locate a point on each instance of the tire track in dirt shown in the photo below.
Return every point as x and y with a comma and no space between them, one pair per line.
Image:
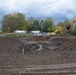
40,69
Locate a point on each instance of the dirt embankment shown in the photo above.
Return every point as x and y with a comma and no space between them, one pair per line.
9,45
10,51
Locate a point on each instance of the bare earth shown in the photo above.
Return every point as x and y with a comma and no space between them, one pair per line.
37,51
38,56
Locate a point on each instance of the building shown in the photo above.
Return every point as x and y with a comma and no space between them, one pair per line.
20,31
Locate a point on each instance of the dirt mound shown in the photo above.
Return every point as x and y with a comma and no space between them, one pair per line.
65,52
9,45
68,44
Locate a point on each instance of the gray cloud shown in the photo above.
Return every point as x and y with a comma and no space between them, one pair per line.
40,8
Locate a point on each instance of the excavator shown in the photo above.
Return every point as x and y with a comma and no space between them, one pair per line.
69,26
58,29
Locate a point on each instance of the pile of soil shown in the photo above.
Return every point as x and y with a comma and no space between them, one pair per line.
10,52
9,45
65,53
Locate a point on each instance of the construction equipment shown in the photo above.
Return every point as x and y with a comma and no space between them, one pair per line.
59,29
68,26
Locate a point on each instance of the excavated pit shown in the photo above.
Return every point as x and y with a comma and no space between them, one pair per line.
35,46
37,51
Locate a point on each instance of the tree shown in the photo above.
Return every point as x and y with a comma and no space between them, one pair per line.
36,24
30,25
48,24
42,25
14,21
31,20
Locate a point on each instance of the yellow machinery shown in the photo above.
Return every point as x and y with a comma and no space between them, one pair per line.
68,26
59,29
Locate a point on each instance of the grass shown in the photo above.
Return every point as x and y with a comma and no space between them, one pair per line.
17,35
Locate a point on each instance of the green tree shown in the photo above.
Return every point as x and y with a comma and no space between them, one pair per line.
31,20
30,25
48,24
36,24
14,21
42,25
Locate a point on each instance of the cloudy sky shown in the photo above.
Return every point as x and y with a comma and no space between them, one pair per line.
59,10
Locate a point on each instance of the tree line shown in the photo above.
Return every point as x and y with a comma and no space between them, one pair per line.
17,21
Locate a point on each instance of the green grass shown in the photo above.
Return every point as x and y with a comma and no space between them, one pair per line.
17,35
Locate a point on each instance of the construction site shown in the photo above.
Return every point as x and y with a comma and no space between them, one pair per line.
36,55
